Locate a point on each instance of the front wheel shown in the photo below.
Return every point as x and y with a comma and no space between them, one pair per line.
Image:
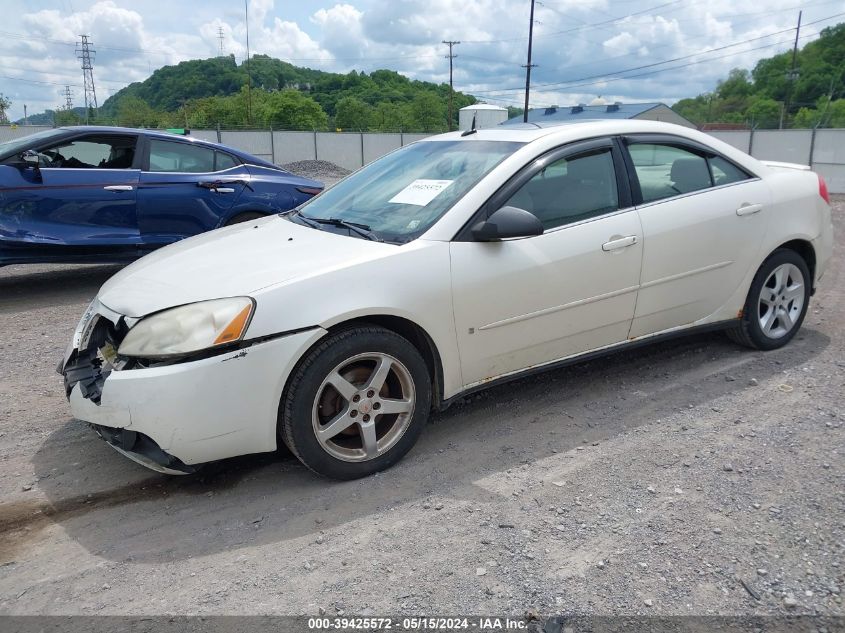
356,403
777,302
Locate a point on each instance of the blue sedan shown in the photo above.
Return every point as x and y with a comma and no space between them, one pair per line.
94,194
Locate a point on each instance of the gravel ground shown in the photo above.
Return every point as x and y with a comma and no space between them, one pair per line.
322,170
689,477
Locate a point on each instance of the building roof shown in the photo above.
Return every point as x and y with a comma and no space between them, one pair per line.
583,112
482,106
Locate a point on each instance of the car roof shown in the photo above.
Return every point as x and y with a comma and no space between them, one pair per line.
571,130
170,136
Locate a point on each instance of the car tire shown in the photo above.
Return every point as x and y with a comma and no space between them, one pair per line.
332,414
244,217
776,304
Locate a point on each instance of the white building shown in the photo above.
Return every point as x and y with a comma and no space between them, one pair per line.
485,115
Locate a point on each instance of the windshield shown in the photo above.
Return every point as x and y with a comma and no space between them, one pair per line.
399,196
18,145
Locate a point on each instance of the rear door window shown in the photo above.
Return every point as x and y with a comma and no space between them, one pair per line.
180,157
725,172
225,161
664,171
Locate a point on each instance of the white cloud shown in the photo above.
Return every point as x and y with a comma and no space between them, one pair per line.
576,42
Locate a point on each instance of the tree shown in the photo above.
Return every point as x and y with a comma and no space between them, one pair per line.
352,114
391,117
764,112
135,112
5,104
429,112
737,85
806,118
290,109
67,117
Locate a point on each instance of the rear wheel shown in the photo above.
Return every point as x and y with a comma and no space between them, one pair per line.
244,217
777,302
356,403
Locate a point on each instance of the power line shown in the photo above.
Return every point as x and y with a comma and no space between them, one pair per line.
660,70
583,26
669,61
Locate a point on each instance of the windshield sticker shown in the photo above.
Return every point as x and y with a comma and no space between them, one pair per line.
413,224
420,192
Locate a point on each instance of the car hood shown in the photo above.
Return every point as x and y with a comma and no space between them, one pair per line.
233,261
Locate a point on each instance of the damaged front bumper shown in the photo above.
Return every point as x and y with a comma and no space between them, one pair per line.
174,417
143,450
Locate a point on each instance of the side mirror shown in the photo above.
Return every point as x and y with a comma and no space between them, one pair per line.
30,157
507,222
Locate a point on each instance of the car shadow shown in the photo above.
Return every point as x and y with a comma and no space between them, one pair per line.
22,288
119,511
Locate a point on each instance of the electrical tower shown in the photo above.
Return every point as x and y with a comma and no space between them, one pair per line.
220,36
450,57
68,95
86,54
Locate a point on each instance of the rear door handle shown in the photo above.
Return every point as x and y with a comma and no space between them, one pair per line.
749,209
119,188
622,242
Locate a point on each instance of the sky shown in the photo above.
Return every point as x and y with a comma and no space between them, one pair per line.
621,50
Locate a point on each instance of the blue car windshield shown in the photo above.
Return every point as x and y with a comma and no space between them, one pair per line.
18,145
399,196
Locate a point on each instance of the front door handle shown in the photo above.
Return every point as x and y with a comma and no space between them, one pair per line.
118,188
223,190
622,242
749,209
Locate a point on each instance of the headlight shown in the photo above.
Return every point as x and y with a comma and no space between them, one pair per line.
189,328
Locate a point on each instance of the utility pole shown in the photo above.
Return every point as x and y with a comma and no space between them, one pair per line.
86,54
528,66
220,37
248,76
450,56
793,73
25,122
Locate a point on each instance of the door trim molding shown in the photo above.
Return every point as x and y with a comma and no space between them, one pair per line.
688,273
560,308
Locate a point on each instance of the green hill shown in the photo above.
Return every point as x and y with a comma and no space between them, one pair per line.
208,92
765,95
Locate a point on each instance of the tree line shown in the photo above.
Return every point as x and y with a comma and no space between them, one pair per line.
771,96
272,93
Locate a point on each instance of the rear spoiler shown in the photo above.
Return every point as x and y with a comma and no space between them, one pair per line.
779,165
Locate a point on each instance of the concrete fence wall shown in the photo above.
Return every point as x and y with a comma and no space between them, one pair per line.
823,150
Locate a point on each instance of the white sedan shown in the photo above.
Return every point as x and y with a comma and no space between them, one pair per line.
454,263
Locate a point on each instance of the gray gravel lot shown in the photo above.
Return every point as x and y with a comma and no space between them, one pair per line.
689,477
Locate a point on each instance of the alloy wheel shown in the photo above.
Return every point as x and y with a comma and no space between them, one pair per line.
363,407
781,301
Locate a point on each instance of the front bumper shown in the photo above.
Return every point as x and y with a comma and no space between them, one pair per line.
198,411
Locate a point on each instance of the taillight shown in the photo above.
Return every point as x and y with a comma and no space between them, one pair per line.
823,189
311,191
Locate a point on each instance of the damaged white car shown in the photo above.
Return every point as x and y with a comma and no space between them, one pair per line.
454,263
